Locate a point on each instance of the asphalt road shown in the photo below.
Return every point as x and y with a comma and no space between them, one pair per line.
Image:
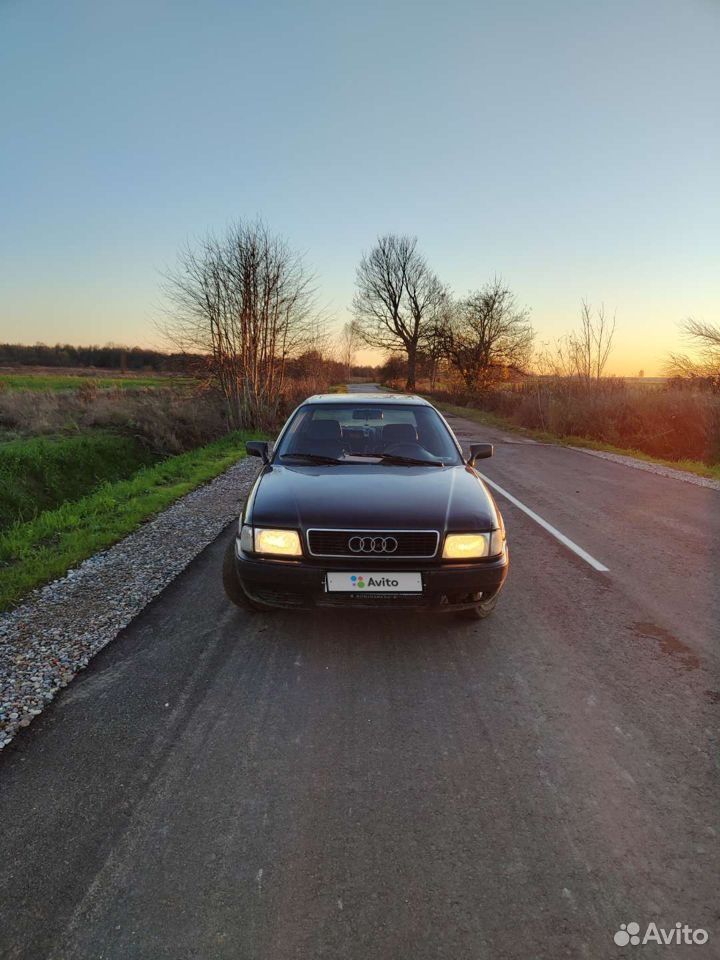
327,785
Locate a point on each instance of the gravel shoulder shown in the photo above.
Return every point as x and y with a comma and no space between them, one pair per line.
50,637
659,469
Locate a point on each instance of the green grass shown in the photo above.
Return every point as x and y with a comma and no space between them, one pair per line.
48,546
41,473
697,467
41,381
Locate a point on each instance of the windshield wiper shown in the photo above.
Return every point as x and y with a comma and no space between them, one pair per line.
396,458
310,457
383,457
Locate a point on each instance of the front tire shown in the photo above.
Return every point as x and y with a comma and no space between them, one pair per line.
480,610
233,589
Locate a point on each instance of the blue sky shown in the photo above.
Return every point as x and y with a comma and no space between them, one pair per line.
571,146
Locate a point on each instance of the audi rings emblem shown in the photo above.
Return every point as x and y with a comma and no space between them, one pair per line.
373,544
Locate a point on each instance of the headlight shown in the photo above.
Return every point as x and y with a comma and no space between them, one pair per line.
497,542
473,546
460,546
281,543
246,540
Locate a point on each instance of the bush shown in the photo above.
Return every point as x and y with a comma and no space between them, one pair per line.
298,389
164,421
662,421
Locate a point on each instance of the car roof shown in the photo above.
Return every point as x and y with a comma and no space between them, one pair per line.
368,398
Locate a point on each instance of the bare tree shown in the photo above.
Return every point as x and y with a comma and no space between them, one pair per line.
704,363
348,342
396,299
487,334
246,302
589,347
581,354
553,358
434,342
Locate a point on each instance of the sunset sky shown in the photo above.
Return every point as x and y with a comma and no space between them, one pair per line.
572,147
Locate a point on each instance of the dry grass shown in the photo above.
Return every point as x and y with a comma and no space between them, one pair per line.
661,421
165,421
298,389
55,381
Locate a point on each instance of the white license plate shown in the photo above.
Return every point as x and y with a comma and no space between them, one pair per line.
374,582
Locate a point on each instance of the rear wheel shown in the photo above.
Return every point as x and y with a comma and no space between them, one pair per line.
480,610
233,589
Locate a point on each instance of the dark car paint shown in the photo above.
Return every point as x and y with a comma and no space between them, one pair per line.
371,496
446,586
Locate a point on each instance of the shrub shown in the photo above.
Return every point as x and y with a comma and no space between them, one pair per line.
662,421
165,421
298,389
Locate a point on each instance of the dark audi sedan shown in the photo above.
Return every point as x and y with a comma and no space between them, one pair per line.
368,501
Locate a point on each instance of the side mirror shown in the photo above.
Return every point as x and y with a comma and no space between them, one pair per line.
479,451
258,448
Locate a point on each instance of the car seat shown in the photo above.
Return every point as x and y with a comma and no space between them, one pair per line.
323,437
395,433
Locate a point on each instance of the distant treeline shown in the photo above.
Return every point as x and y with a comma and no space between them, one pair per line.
109,357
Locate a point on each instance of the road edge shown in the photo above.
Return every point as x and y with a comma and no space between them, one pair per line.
55,632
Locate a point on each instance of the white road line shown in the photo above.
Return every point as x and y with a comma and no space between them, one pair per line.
566,541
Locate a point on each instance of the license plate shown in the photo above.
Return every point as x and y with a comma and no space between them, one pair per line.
374,582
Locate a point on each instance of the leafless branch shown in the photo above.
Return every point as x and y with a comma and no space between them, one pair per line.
487,335
397,297
704,362
246,302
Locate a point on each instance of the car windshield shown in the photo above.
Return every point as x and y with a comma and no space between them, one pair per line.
333,433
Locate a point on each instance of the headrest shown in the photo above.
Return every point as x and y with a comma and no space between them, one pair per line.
324,430
399,433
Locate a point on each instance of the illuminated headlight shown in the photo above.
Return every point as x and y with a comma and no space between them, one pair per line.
473,546
280,543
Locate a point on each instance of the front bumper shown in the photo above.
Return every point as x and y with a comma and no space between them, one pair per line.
300,583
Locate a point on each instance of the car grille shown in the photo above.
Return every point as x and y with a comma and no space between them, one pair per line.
373,544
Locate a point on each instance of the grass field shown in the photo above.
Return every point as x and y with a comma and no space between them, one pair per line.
47,546
51,381
41,473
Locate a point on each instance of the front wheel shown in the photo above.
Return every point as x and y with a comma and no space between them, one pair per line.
480,610
233,590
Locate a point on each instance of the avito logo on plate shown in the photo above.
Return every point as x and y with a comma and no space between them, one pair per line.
396,582
383,582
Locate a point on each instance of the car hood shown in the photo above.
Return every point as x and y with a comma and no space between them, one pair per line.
373,497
